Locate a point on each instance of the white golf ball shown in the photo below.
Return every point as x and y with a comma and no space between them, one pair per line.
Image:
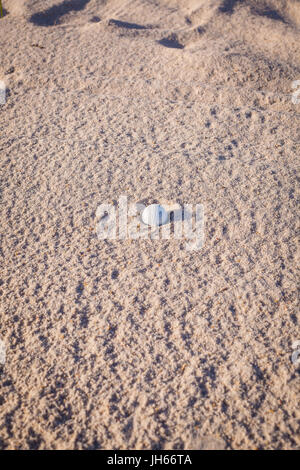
155,215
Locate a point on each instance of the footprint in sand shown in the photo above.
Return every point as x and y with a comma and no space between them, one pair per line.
53,15
127,25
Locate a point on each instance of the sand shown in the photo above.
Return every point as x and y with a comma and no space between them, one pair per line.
141,344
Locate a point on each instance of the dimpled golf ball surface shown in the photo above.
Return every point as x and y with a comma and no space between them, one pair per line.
154,215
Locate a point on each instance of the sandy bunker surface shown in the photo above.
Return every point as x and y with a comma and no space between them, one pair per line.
140,344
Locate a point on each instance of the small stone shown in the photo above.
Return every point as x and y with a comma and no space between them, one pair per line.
95,19
10,70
